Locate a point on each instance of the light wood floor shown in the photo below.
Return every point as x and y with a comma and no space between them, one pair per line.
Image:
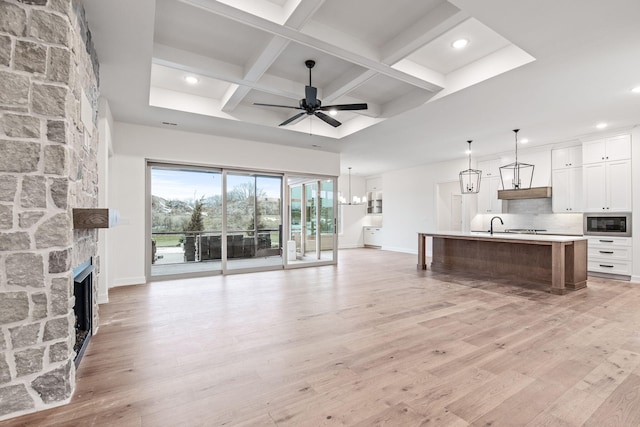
370,342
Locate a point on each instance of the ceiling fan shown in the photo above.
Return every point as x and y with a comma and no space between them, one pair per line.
311,105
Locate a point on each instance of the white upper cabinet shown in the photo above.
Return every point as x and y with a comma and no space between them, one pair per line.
489,168
607,174
602,150
569,157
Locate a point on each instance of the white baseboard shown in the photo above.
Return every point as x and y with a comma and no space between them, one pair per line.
350,246
635,279
397,249
128,281
103,298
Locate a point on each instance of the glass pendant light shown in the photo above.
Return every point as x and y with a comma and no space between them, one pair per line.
516,176
470,178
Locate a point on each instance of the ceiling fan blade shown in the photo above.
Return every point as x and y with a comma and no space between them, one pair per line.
322,116
344,107
311,95
292,119
274,105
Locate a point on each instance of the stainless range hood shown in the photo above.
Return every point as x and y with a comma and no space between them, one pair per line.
527,193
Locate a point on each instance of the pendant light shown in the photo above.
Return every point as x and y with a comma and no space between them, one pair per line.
356,200
516,176
470,178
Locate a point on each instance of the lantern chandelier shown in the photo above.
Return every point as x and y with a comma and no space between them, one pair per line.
470,178
520,174
356,200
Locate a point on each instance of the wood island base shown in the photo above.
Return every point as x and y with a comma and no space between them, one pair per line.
560,263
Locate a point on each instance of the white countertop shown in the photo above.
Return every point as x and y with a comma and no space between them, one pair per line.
484,235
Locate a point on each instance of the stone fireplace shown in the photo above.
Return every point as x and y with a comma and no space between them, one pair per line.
83,307
48,165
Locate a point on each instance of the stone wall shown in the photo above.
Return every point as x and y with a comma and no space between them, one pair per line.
48,165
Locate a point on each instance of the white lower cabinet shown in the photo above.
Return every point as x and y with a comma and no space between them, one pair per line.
612,255
373,236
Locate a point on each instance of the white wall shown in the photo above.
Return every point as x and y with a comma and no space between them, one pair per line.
352,216
409,202
635,219
351,235
105,150
134,144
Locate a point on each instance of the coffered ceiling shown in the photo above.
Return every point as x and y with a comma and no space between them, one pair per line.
551,68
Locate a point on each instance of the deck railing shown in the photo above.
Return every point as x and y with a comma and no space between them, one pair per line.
171,247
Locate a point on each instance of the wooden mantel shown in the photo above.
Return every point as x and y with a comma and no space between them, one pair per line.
84,218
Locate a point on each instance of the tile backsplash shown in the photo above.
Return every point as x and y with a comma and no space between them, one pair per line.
566,224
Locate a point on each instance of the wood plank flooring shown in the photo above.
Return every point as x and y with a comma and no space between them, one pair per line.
370,342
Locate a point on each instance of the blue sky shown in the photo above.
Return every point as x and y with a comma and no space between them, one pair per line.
190,185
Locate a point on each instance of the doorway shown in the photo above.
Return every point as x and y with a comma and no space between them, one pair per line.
312,221
449,206
206,221
253,218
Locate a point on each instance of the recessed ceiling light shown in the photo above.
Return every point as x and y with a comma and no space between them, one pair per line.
191,80
524,141
333,112
636,89
601,125
460,43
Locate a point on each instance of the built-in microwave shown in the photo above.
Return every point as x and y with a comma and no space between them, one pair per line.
607,224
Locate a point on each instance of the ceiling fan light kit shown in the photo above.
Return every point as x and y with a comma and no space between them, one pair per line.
312,106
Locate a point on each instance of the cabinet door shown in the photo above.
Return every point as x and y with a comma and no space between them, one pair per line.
569,157
489,168
559,159
618,148
488,201
594,187
593,152
575,156
575,190
618,183
561,193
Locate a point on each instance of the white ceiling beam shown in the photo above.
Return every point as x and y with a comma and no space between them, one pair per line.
348,55
345,84
298,14
206,66
405,103
440,20
303,11
256,69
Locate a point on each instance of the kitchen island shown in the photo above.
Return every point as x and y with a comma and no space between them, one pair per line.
560,261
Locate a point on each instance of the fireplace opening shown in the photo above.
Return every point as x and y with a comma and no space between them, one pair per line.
83,308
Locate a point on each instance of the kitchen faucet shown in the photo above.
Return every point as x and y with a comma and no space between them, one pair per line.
491,226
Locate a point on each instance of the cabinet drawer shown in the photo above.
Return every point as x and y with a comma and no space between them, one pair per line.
609,266
609,241
614,253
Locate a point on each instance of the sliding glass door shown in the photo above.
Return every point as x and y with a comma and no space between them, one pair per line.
254,221
312,221
186,220
211,221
